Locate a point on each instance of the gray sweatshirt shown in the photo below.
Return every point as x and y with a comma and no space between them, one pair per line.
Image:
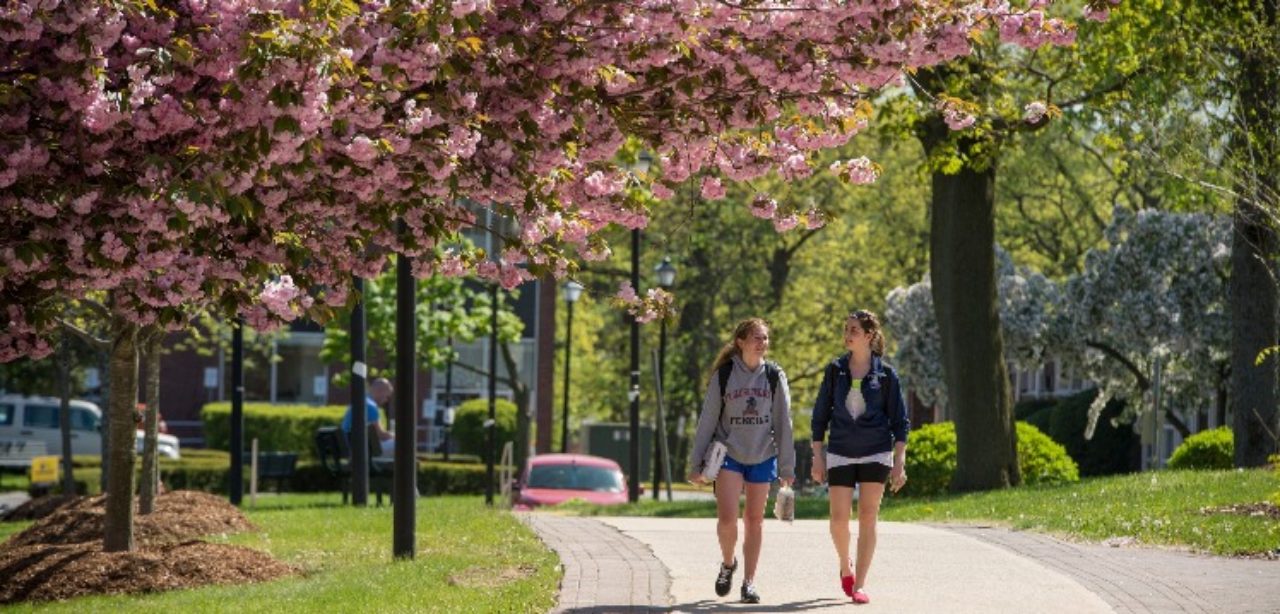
753,428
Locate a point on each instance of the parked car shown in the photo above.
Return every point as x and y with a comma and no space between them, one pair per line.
549,479
24,419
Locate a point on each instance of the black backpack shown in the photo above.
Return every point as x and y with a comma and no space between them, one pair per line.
771,371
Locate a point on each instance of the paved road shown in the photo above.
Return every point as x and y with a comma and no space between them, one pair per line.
609,568
12,499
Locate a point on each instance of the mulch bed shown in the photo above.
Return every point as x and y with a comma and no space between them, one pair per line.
1265,510
60,556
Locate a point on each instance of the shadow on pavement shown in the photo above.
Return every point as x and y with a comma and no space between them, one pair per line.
708,605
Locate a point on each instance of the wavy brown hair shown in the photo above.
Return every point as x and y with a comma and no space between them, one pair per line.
871,325
731,349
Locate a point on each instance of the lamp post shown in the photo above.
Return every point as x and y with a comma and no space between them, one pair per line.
641,167
666,279
572,290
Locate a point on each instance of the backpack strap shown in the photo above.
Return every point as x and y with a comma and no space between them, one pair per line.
774,374
723,373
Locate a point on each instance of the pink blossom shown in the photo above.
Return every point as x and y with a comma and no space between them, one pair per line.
711,188
785,223
858,171
763,207
1034,112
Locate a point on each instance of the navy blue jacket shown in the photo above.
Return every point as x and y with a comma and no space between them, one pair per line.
876,430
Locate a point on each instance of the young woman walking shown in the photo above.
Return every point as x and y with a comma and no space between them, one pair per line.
861,413
747,407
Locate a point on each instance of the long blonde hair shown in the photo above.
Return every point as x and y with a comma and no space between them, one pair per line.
731,349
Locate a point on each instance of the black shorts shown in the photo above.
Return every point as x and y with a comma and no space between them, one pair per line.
848,475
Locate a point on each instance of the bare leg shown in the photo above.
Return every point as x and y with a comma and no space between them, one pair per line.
868,512
728,490
753,521
841,502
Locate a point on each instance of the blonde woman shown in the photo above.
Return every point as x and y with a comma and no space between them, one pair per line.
861,412
747,408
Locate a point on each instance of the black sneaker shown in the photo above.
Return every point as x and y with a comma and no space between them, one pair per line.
724,579
749,594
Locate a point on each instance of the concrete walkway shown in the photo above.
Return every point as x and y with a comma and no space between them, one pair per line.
610,567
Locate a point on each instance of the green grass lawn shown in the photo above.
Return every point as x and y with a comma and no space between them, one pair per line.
1157,508
469,558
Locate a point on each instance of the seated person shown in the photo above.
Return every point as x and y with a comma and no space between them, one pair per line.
379,392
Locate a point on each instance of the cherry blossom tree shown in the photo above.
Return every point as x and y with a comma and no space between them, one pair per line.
250,156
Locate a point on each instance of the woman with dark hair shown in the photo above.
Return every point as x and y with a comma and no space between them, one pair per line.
747,408
860,410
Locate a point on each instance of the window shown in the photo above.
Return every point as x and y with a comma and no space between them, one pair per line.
575,477
83,420
41,417
6,414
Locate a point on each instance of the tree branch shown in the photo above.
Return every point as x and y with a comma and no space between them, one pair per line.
1144,384
100,345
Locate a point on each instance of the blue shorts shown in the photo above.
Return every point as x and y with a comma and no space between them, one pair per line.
764,472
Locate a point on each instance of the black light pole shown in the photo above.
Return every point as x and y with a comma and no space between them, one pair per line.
358,439
633,483
405,474
236,482
491,425
641,167
572,291
666,279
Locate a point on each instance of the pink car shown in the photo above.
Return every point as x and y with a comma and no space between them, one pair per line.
549,479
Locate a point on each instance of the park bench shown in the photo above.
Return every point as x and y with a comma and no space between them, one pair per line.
279,466
335,457
17,453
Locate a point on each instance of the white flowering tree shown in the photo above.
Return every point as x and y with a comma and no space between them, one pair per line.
1028,303
1157,292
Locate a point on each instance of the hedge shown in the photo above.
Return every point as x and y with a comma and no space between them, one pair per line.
1211,449
209,473
931,458
284,428
1111,450
468,424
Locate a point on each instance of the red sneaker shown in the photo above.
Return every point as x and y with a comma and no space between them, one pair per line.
860,597
846,584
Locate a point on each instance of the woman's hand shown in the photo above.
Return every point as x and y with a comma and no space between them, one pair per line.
897,477
819,469
695,477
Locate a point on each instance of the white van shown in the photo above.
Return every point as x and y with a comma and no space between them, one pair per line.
31,420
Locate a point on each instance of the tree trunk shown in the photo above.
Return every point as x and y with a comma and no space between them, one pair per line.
962,268
64,415
1252,287
149,486
520,395
118,521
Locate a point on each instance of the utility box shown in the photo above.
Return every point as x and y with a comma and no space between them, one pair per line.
613,440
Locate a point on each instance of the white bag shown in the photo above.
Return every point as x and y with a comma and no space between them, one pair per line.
784,506
713,459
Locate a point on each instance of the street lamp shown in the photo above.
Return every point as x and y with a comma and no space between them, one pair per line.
666,279
572,290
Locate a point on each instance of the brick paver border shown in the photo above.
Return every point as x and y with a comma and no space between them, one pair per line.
1143,579
604,570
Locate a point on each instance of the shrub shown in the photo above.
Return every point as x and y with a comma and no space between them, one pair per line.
286,428
1042,460
931,458
1212,449
1111,450
468,425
